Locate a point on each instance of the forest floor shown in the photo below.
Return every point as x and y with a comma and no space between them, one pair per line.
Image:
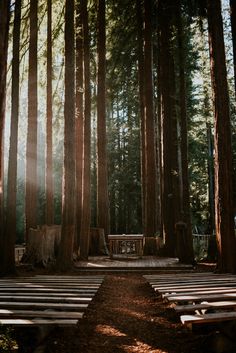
127,316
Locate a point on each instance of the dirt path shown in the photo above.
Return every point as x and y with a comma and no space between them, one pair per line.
126,316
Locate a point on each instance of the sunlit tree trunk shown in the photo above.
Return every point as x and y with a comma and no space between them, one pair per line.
31,145
86,195
65,256
210,170
79,119
4,28
103,216
233,31
225,236
233,27
150,145
10,229
49,168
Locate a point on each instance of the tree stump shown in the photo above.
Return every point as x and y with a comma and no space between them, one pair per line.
97,244
42,247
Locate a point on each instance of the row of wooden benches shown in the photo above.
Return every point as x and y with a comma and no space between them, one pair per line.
46,300
198,297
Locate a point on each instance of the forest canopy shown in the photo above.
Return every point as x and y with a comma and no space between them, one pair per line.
110,118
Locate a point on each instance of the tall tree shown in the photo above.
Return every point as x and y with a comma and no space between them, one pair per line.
186,243
65,255
79,119
168,120
225,236
4,28
139,14
103,217
233,32
86,194
31,145
10,228
49,168
233,27
149,127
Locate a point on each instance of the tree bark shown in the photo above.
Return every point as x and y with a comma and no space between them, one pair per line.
233,30
4,29
10,228
79,120
187,255
139,15
31,145
65,255
86,208
49,169
210,169
150,145
168,119
225,236
103,216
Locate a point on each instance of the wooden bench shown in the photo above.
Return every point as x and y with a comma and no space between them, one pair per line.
201,298
205,306
46,300
190,320
126,244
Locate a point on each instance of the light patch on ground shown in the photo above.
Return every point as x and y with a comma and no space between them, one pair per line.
141,347
109,331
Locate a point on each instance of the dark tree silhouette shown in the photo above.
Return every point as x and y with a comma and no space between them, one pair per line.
225,236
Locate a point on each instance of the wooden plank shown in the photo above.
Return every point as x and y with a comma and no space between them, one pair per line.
38,280
46,295
81,277
190,288
45,306
188,274
40,314
52,279
204,306
42,291
192,282
203,297
197,292
46,299
37,322
51,285
207,318
180,276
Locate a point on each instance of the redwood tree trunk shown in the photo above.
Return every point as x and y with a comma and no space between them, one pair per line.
167,122
222,142
31,146
233,27
139,14
10,229
79,119
103,217
233,30
150,144
49,171
86,208
187,241
65,256
4,28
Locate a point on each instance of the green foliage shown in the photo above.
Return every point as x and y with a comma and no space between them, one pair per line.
7,342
